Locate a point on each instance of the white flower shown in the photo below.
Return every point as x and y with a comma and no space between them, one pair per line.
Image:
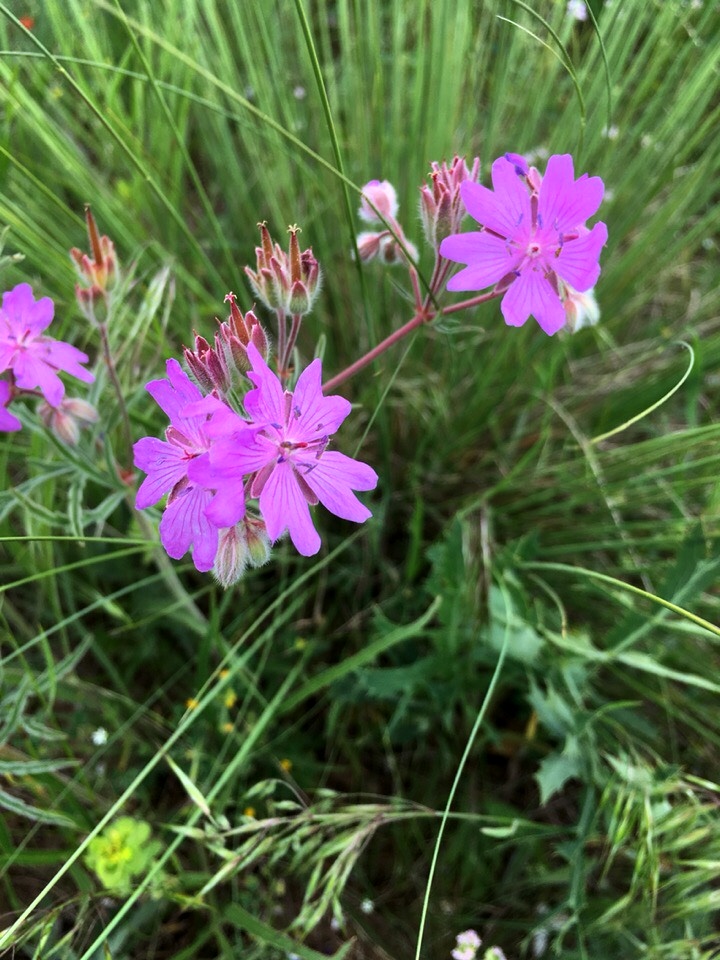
299,92
99,736
367,906
612,132
577,10
469,938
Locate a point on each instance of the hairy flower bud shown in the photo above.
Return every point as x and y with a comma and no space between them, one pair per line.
238,331
208,365
382,196
441,206
246,543
68,418
284,281
98,272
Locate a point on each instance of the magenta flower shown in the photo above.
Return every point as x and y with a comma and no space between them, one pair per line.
34,358
166,462
286,451
8,421
533,241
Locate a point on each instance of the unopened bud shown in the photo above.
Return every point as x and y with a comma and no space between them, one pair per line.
208,365
441,206
97,271
68,418
368,245
382,196
284,281
258,542
247,543
581,309
238,331
391,253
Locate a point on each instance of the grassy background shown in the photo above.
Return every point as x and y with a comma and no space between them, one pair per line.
587,811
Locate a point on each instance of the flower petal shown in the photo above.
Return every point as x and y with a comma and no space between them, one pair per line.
313,414
175,392
487,256
565,203
577,261
532,294
507,208
164,465
333,478
32,371
23,311
284,507
266,403
184,524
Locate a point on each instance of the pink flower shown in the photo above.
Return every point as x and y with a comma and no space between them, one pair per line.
533,241
383,197
8,421
34,358
184,523
286,451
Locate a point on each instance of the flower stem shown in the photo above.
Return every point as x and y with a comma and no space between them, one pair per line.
424,315
381,347
110,364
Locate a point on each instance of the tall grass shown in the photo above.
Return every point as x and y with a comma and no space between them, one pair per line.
585,817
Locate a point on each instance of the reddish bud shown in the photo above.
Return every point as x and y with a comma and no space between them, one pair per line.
441,206
277,275
98,273
68,418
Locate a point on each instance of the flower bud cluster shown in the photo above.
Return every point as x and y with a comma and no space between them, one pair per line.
441,206
379,205
287,282
99,273
217,367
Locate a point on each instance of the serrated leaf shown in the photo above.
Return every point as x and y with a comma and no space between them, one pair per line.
556,769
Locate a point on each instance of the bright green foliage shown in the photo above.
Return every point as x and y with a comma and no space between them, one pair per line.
121,854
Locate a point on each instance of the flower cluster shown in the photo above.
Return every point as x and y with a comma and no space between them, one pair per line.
33,360
215,462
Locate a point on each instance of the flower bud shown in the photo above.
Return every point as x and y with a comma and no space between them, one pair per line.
391,253
98,272
208,365
368,245
441,206
245,543
581,309
238,331
383,197
68,418
288,282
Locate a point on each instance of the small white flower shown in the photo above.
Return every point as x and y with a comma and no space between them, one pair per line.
335,924
99,736
299,92
367,906
577,10
469,938
612,132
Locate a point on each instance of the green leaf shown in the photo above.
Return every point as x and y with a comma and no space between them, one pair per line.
22,809
557,768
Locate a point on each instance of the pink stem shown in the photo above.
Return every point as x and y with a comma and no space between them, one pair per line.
421,317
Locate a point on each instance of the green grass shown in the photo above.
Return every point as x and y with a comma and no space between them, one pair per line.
504,532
